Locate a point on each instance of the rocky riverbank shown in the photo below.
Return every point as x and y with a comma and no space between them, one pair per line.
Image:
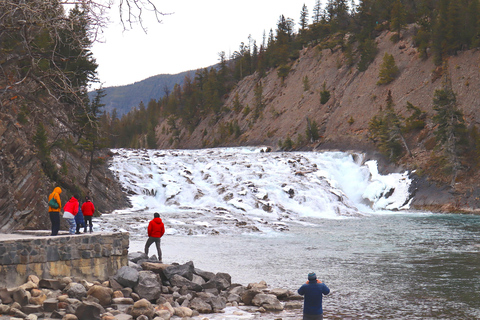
146,290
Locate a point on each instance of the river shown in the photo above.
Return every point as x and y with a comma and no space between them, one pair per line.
378,265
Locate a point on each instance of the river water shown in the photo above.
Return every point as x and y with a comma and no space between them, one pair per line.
378,265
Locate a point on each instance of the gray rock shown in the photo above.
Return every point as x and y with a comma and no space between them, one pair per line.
53,284
198,279
221,281
248,295
89,311
50,305
5,296
200,305
77,291
218,303
149,286
123,316
206,275
293,305
136,256
20,296
268,301
127,277
31,308
185,270
142,307
179,281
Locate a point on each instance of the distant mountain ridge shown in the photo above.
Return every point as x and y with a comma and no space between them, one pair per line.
125,98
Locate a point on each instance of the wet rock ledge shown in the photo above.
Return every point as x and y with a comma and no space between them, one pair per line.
146,290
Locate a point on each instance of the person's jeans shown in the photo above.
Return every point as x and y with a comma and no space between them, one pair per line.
157,243
55,220
72,225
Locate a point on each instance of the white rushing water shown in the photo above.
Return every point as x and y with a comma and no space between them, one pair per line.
241,190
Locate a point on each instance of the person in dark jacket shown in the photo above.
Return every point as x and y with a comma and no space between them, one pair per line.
80,221
54,213
156,229
313,291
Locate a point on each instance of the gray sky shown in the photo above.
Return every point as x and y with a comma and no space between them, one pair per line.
188,39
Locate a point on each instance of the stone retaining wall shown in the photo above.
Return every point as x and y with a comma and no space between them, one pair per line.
89,256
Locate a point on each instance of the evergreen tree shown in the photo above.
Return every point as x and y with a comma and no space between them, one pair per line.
303,18
388,70
317,12
451,128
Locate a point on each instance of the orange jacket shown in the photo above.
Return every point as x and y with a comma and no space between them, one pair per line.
55,194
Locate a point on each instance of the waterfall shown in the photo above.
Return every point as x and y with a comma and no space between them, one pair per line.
246,189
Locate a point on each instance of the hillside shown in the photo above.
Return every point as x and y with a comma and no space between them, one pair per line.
125,98
343,120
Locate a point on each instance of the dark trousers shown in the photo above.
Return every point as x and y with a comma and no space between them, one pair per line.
313,316
157,243
88,222
55,220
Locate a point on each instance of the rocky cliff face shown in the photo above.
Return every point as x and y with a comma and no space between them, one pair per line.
24,187
355,99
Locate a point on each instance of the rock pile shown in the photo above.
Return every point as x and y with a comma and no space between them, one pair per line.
143,290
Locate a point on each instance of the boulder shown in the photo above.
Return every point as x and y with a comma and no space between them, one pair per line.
281,294
268,301
149,286
103,294
162,315
258,286
20,296
89,311
76,291
127,277
248,295
50,305
53,284
142,307
136,256
165,307
198,280
183,312
5,296
185,270
179,281
32,308
33,278
220,281
293,305
206,275
29,285
38,297
200,305
218,303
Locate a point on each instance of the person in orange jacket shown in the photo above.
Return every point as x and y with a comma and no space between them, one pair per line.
88,209
54,212
156,229
70,211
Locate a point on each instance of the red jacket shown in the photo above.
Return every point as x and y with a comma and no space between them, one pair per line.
71,206
156,229
88,208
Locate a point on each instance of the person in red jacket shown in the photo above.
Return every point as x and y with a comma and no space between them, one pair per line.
88,209
70,211
156,229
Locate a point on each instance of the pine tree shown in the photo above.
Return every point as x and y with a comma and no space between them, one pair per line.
303,18
317,12
388,70
451,128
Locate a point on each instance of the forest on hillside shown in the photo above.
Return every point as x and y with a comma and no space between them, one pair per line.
442,28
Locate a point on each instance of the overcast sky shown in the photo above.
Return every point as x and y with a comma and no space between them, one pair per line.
188,39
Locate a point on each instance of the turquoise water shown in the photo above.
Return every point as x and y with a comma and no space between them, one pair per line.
391,266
